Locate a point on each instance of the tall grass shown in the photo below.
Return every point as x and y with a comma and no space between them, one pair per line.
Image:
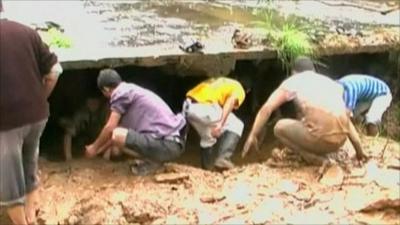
290,43
289,39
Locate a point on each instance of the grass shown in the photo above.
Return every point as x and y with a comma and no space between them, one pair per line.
289,39
291,43
55,38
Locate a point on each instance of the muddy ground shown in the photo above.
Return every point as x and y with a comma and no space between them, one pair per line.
279,189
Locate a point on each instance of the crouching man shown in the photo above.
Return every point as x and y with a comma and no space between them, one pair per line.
208,108
368,98
323,124
147,127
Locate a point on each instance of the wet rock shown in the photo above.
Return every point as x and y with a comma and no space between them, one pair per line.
315,216
72,220
371,198
215,197
119,197
288,186
170,219
239,194
333,176
383,204
206,216
386,178
266,210
171,177
233,220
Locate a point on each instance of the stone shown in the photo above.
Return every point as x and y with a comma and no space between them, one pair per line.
119,197
171,177
288,186
239,193
266,210
233,220
206,216
386,178
333,176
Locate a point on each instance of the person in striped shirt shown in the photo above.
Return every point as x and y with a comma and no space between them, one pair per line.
366,95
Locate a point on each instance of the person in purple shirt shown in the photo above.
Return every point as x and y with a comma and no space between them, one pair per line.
140,124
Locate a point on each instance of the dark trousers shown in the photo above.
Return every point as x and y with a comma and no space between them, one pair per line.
155,149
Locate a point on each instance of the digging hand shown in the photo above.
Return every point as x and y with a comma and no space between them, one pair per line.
251,142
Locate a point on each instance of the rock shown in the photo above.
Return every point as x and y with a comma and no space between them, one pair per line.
233,220
386,178
311,216
383,204
171,177
333,176
212,198
288,186
239,194
373,218
206,216
393,164
171,219
266,210
119,196
357,198
73,220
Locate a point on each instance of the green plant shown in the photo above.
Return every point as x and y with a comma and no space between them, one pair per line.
290,43
54,37
289,39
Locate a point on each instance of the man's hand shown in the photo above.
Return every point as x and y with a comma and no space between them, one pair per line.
90,151
361,157
119,135
251,142
216,130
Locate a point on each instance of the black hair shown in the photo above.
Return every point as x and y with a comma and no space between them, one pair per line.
108,78
303,63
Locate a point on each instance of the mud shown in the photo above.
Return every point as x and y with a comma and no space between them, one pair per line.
281,190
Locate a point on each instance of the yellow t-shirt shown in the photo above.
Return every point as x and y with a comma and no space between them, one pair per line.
218,90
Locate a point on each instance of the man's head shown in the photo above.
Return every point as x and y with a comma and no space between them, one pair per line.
301,64
107,81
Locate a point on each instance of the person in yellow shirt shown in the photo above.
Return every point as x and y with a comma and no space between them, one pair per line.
208,108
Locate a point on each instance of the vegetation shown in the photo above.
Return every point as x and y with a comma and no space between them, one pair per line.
291,43
55,38
289,39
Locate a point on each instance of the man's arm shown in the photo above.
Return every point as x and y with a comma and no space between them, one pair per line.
277,98
356,142
226,109
105,134
50,79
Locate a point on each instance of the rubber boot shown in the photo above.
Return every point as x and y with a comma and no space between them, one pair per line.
207,158
226,147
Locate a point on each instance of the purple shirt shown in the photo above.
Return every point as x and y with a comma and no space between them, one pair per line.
144,111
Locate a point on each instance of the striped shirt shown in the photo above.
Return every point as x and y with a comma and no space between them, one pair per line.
361,88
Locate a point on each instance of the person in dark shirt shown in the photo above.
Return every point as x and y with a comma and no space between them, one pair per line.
28,74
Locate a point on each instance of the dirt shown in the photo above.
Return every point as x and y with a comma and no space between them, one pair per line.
280,190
